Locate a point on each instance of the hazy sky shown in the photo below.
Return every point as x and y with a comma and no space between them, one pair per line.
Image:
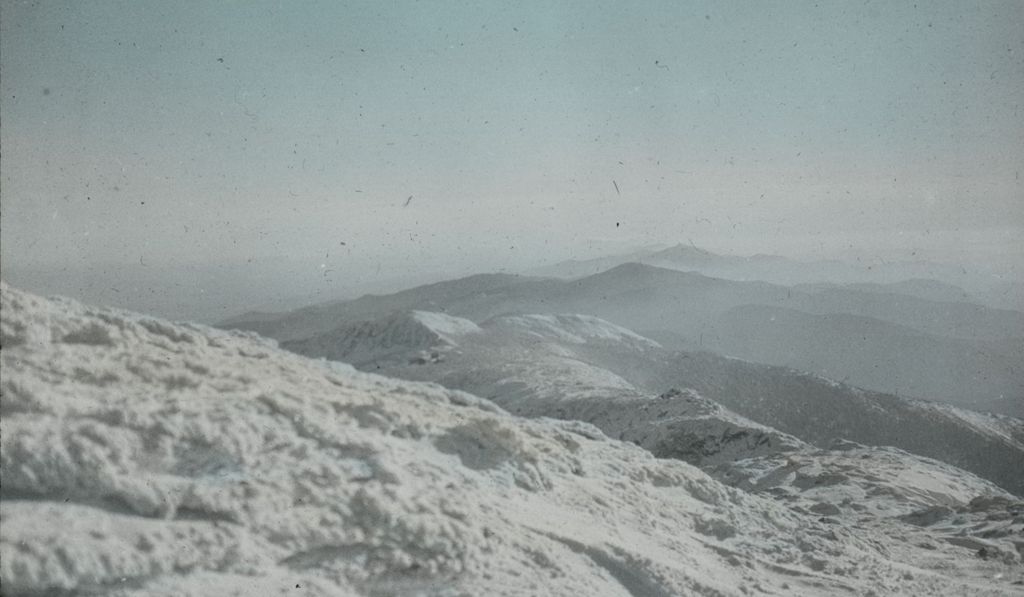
249,132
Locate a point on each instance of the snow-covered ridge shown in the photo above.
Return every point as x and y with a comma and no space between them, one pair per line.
445,325
573,328
687,426
1009,429
559,366
957,352
143,458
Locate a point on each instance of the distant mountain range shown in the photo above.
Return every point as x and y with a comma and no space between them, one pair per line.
923,279
957,352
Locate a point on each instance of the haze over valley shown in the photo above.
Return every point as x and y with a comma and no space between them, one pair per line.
579,298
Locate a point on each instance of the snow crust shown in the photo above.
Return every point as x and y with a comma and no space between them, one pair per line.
140,457
864,487
445,325
573,328
537,365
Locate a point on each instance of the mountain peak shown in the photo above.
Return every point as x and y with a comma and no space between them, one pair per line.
687,248
681,251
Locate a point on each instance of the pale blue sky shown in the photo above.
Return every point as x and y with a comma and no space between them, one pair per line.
199,132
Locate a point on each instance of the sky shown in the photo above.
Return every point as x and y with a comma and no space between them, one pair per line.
371,139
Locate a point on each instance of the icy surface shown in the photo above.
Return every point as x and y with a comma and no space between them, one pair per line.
862,489
574,328
445,325
140,457
581,367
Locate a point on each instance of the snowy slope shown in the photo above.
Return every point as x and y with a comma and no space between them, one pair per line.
571,328
858,480
684,425
858,488
578,367
140,457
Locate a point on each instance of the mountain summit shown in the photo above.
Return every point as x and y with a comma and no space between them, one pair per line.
171,459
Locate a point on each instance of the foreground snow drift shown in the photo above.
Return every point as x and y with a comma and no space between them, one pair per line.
862,487
140,457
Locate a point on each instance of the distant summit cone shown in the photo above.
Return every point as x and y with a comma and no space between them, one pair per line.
686,257
684,249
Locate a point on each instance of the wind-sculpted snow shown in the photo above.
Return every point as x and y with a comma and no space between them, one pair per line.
688,426
858,479
445,325
575,329
140,457
862,487
557,374
578,367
